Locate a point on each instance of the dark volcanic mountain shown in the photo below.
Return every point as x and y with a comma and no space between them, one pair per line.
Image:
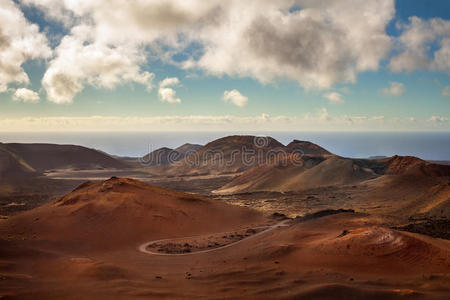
44,157
306,148
187,149
166,156
229,155
161,156
12,166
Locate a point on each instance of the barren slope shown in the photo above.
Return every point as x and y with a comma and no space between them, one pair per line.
333,171
118,210
43,157
312,173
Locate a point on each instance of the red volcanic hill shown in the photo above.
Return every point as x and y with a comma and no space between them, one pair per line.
122,210
43,157
227,155
415,186
234,154
398,165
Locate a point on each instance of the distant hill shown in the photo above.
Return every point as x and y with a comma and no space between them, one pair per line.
187,149
398,165
307,148
311,174
234,154
161,156
165,156
331,171
12,166
440,162
44,157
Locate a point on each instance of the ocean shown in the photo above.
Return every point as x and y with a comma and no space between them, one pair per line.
426,145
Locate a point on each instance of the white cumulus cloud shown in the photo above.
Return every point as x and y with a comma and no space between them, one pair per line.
20,41
323,43
334,98
26,95
395,89
235,97
109,41
82,59
167,94
416,42
320,44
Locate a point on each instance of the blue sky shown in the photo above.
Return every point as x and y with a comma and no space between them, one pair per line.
286,98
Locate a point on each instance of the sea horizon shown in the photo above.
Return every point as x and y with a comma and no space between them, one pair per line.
425,145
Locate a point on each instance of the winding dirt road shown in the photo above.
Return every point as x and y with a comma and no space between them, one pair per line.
143,247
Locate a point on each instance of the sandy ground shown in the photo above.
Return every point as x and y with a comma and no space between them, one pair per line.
308,259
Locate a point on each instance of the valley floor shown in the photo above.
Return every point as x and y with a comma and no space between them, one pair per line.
329,257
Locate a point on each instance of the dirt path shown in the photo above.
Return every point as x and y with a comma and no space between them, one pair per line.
143,247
